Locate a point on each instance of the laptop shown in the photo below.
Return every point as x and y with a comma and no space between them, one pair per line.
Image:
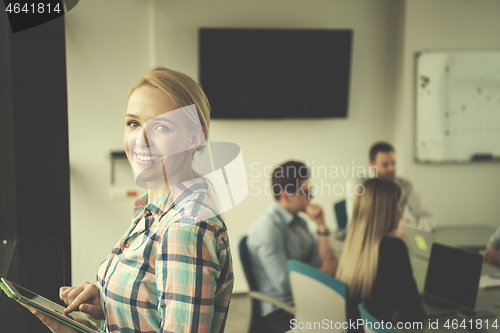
452,280
419,241
340,210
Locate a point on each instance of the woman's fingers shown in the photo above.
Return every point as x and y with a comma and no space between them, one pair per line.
75,303
93,311
62,291
70,293
85,293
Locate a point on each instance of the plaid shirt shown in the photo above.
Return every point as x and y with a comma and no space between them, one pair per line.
172,270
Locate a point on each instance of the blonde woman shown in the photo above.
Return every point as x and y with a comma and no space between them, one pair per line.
374,264
172,269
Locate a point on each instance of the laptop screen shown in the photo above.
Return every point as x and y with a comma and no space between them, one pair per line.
453,274
341,214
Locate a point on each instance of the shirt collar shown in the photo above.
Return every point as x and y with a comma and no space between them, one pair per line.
174,196
286,216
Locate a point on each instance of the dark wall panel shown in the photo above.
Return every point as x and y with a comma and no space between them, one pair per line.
34,166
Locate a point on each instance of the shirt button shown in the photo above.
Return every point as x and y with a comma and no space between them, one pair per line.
147,212
127,245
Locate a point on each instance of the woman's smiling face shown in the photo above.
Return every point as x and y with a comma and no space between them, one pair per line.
154,133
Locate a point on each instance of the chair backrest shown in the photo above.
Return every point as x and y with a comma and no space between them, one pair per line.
256,324
317,297
340,210
372,324
245,261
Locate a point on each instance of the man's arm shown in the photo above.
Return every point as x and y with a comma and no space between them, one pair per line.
326,252
425,219
272,256
324,245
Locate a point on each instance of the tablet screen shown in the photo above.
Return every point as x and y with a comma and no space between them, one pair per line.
38,299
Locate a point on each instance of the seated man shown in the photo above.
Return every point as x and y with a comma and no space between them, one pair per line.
383,163
492,255
280,234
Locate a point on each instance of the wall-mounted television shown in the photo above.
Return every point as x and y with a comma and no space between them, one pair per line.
275,73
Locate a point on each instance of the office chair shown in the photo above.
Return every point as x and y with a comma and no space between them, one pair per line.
371,322
317,296
340,209
257,324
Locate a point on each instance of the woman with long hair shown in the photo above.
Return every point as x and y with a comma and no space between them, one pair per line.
172,269
374,264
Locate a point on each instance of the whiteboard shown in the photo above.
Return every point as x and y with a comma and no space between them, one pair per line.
457,106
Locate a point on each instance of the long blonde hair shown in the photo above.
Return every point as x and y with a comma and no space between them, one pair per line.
375,215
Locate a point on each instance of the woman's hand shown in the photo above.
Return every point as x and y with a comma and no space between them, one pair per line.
84,298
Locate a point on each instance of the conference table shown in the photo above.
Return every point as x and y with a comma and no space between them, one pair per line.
487,300
471,237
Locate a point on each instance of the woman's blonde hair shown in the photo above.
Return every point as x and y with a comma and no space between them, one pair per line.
375,215
181,89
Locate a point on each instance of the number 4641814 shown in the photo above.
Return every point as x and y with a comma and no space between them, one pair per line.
33,8
474,323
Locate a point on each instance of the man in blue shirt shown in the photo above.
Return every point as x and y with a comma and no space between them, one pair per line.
280,234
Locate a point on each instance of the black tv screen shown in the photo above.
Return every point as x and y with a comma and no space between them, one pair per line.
275,73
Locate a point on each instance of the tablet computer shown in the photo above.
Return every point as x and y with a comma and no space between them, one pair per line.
46,306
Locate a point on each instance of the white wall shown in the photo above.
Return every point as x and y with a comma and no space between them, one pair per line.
109,49
457,194
106,50
332,142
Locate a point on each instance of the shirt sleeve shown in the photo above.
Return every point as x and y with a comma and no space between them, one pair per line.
187,271
425,219
102,325
272,256
315,261
495,240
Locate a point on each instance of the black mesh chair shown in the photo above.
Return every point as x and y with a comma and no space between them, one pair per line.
257,324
